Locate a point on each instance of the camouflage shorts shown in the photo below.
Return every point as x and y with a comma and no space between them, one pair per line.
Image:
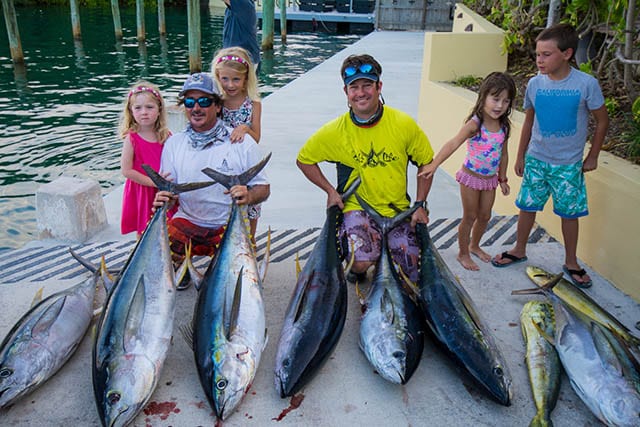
360,232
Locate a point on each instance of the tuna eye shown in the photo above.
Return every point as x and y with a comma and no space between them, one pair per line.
5,372
221,384
498,371
113,397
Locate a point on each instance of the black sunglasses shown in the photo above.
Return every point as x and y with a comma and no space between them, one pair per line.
204,102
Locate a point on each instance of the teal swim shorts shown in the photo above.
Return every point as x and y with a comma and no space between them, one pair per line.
564,183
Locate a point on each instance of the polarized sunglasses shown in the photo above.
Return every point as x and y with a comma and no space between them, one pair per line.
363,68
204,102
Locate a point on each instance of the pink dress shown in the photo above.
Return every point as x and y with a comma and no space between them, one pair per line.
137,199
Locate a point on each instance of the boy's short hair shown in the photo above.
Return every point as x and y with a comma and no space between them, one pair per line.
563,34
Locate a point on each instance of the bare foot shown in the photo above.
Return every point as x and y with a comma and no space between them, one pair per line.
467,262
485,257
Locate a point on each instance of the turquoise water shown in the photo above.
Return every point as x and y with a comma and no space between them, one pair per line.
58,116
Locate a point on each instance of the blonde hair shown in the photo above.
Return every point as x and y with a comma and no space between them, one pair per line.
128,123
237,59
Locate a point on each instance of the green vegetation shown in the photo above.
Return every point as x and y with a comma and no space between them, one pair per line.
468,81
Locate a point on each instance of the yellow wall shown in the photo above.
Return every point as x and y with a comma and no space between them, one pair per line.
610,236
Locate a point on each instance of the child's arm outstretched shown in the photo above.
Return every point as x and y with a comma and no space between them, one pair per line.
469,129
602,125
126,165
254,130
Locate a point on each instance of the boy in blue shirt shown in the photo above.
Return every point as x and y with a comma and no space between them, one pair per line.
557,105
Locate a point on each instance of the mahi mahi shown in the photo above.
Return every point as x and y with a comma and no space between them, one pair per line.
135,329
392,325
543,365
454,320
229,325
44,338
317,310
580,301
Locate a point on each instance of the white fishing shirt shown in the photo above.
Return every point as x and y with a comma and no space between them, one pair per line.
208,207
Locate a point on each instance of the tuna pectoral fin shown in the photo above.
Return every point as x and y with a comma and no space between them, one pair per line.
43,324
606,350
134,315
545,287
166,185
235,306
386,306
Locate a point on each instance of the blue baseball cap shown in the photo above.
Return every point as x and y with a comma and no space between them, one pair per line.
202,82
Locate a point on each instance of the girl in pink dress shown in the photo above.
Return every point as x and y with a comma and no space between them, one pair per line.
486,132
143,129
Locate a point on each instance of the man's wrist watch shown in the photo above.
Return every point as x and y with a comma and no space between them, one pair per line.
421,203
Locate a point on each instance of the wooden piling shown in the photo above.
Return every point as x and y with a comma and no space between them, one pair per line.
162,25
117,25
15,45
193,24
140,20
268,16
283,21
75,19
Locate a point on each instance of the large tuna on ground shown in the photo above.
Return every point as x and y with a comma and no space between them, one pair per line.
135,329
44,338
453,319
229,325
317,310
392,325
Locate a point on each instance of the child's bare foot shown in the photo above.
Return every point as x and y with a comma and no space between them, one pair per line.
485,257
467,262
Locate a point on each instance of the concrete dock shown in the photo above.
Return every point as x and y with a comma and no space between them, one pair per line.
347,391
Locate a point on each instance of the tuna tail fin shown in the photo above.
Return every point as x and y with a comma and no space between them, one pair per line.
351,190
385,224
166,185
103,271
229,181
542,289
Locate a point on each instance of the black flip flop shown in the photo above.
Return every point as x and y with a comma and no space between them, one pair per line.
514,260
570,272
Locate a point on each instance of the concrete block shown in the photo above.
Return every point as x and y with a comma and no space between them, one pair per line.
70,209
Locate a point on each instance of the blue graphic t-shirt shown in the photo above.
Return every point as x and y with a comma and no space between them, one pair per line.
561,121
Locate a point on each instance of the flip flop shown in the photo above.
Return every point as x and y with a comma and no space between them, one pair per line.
571,272
514,260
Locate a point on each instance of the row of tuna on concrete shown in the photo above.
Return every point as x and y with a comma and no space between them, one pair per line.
228,332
